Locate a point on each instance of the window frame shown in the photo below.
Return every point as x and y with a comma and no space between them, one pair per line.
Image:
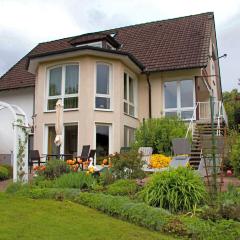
128,134
63,95
179,108
135,92
110,95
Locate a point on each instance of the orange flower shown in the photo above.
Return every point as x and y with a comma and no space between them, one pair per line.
105,161
43,168
35,168
80,160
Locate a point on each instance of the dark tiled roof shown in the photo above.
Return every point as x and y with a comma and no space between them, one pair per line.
172,44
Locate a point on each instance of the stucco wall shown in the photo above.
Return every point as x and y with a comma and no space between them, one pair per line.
22,98
85,116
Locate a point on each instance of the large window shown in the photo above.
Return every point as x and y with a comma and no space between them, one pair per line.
129,136
70,139
52,149
102,140
129,95
63,84
103,86
179,98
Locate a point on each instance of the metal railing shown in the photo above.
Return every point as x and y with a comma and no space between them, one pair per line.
204,113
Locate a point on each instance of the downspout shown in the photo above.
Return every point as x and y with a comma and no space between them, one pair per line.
149,96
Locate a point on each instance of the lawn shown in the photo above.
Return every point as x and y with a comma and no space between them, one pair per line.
23,218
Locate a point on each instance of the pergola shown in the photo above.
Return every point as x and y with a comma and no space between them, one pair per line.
21,130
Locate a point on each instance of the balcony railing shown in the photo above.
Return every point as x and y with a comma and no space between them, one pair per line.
203,111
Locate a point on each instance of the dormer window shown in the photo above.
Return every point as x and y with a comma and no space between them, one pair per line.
93,44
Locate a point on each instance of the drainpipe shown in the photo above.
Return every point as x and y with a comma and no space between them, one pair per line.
149,96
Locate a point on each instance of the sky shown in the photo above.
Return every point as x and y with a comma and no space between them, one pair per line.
25,23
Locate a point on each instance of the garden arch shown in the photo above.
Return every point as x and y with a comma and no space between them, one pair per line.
21,130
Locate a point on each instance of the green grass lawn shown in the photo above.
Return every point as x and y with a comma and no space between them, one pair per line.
22,218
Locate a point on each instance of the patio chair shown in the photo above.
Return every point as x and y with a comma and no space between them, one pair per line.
146,153
181,146
91,155
34,158
125,149
85,154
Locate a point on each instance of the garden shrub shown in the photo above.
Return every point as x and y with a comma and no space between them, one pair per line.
179,189
55,168
9,168
3,173
78,180
123,187
159,132
127,165
235,156
124,208
106,177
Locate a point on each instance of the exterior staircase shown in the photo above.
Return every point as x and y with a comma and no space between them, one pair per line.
201,128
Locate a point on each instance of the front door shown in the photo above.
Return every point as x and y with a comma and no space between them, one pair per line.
179,98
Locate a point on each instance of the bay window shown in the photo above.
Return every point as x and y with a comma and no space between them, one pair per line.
103,87
63,84
129,95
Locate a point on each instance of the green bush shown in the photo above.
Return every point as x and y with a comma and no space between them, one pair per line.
3,173
179,189
9,168
106,177
123,187
235,156
138,213
78,180
127,165
158,134
54,169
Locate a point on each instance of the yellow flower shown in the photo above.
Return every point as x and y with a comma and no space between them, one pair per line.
159,161
87,173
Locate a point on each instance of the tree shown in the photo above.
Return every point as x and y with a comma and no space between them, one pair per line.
232,107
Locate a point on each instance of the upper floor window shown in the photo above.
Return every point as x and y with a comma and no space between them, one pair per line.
63,84
103,86
129,95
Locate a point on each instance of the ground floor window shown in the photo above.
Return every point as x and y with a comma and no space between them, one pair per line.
179,98
102,140
129,136
70,140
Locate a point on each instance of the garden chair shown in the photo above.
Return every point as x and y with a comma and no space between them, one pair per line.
146,153
181,146
84,155
34,158
91,155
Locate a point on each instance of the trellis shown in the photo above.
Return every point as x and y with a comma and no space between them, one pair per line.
21,130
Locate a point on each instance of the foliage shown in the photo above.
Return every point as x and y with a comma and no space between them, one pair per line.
179,189
55,168
232,108
159,161
138,213
106,177
63,220
123,187
78,180
235,155
127,165
9,168
3,173
158,134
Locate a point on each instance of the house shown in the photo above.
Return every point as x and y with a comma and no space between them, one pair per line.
109,81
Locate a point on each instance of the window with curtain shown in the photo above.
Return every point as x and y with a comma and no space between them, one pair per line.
129,95
63,84
129,136
103,86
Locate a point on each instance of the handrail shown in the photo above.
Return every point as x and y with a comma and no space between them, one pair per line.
192,119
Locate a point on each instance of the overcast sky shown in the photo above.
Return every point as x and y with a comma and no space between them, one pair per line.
25,23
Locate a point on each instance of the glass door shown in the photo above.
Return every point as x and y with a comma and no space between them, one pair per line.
102,140
70,139
179,98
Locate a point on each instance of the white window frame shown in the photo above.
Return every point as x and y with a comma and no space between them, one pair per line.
45,139
180,109
135,97
128,134
63,95
110,88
